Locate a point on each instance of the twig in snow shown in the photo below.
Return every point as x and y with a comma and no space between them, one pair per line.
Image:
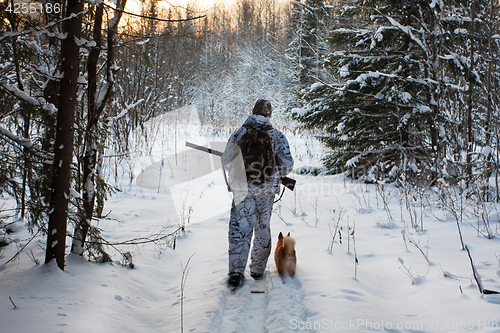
279,215
406,270
356,262
316,216
21,250
337,228
15,307
385,196
403,233
417,245
185,271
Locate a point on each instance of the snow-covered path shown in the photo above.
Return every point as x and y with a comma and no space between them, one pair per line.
241,311
271,311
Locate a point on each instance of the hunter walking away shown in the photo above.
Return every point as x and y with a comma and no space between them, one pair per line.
265,154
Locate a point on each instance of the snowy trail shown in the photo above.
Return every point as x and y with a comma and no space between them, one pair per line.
276,310
241,311
288,305
256,309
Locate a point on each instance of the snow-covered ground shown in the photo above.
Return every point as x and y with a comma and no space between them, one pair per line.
404,280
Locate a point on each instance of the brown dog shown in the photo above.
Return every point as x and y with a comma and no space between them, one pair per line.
284,256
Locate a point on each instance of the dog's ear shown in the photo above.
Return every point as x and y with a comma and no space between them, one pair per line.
288,234
280,236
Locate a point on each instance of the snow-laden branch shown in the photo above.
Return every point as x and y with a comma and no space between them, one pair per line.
126,110
462,63
362,78
103,95
43,29
407,30
26,143
23,96
22,141
84,42
438,3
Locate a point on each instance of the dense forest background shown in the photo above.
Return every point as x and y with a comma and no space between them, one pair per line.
403,91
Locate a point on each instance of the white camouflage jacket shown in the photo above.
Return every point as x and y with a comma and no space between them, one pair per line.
232,160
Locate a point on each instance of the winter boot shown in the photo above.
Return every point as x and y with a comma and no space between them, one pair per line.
235,280
257,276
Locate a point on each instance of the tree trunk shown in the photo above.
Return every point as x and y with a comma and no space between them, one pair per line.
63,154
469,138
95,110
489,104
86,213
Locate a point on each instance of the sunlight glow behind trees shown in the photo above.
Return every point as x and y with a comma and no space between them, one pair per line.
134,6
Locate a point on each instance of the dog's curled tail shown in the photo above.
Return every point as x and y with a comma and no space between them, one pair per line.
289,242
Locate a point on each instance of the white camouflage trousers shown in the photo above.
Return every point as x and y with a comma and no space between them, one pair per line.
250,217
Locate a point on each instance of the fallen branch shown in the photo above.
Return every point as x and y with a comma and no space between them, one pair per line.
477,277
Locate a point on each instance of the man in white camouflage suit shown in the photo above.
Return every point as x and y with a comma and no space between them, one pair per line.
252,203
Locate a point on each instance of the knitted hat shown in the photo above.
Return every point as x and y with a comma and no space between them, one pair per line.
262,107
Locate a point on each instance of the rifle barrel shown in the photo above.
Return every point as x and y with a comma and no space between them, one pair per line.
205,149
287,182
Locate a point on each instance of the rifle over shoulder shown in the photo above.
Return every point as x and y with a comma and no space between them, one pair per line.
289,183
